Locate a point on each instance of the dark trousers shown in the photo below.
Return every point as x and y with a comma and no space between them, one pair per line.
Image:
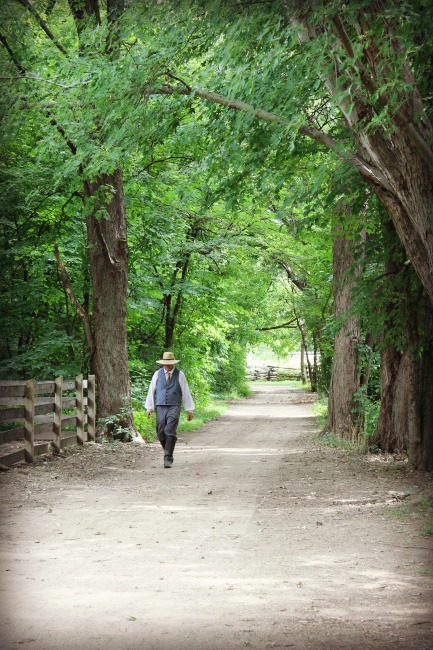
167,419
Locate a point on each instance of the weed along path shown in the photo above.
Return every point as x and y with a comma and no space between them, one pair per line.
256,537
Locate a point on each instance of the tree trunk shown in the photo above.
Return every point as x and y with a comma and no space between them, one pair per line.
173,301
342,420
406,411
420,449
108,253
395,379
303,374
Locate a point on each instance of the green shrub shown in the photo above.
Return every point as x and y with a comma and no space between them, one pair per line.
144,426
210,411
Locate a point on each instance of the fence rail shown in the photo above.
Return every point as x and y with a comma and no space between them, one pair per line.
273,373
39,407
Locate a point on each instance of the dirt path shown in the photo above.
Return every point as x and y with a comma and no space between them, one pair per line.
255,538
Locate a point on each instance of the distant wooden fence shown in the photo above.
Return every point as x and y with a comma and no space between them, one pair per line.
273,373
38,406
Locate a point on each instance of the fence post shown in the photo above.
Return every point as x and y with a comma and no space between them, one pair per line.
91,419
29,423
79,407
57,422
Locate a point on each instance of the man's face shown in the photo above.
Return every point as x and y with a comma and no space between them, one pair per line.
168,368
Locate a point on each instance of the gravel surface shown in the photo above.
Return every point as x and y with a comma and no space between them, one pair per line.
256,537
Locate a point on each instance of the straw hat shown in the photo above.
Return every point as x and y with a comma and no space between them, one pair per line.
168,359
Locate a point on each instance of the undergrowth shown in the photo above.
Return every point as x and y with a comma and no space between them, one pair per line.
146,427
320,409
421,509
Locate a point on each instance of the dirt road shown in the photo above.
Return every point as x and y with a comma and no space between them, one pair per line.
256,537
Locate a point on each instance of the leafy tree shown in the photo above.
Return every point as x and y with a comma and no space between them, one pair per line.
346,82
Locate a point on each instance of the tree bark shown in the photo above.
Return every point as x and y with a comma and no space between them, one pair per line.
345,380
420,450
303,373
406,410
108,254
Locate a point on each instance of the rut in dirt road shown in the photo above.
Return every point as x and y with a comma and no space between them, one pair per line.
256,537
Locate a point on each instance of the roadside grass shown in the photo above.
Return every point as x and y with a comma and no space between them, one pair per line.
426,570
320,409
292,383
328,439
420,509
211,411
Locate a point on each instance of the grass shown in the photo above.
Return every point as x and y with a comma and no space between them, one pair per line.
426,570
427,530
203,415
421,509
214,409
292,383
330,440
320,409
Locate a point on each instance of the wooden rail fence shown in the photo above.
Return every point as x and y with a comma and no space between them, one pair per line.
38,406
273,373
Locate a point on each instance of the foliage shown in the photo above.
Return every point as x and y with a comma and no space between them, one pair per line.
231,219
368,409
116,427
202,414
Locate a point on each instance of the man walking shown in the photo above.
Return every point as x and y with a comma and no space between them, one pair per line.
167,391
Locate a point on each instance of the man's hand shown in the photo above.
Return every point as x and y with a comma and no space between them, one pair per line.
190,416
149,413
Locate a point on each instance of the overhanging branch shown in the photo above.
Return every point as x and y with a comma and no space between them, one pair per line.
288,325
367,170
43,25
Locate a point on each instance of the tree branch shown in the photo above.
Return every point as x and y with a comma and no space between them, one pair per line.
287,325
11,54
300,284
53,121
43,25
163,160
399,118
84,317
367,170
104,245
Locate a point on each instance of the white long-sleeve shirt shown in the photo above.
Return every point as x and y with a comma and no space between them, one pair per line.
187,401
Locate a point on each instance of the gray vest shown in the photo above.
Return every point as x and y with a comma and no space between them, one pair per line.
168,394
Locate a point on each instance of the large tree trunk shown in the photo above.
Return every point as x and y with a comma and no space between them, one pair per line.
345,381
406,410
420,449
406,375
108,253
392,434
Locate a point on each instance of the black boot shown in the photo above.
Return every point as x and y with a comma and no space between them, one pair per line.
170,444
